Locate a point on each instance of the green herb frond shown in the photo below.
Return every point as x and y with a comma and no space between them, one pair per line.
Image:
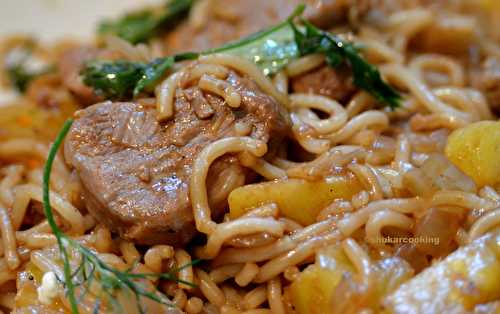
20,75
113,80
139,26
366,76
91,269
270,49
122,79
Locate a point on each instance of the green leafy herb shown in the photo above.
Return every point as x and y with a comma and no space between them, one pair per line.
115,80
271,50
19,77
139,26
122,79
19,73
270,53
152,72
366,76
91,269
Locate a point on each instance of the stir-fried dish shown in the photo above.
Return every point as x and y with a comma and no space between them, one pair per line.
236,156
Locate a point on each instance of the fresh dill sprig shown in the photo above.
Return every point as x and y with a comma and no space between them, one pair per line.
62,239
91,268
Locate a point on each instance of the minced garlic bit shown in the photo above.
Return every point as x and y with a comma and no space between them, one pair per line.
48,290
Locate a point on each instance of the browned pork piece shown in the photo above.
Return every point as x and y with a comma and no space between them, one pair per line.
334,83
135,171
70,64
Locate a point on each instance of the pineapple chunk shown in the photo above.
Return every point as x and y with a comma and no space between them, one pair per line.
475,149
297,199
457,284
331,285
313,290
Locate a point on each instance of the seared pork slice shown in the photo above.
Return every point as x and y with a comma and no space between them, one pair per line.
70,64
334,83
135,171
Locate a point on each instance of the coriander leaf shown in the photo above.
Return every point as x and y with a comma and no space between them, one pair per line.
152,72
133,27
115,80
20,71
310,39
122,79
271,50
139,26
367,77
19,77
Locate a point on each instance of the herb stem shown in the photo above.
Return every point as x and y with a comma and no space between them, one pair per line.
260,35
62,240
